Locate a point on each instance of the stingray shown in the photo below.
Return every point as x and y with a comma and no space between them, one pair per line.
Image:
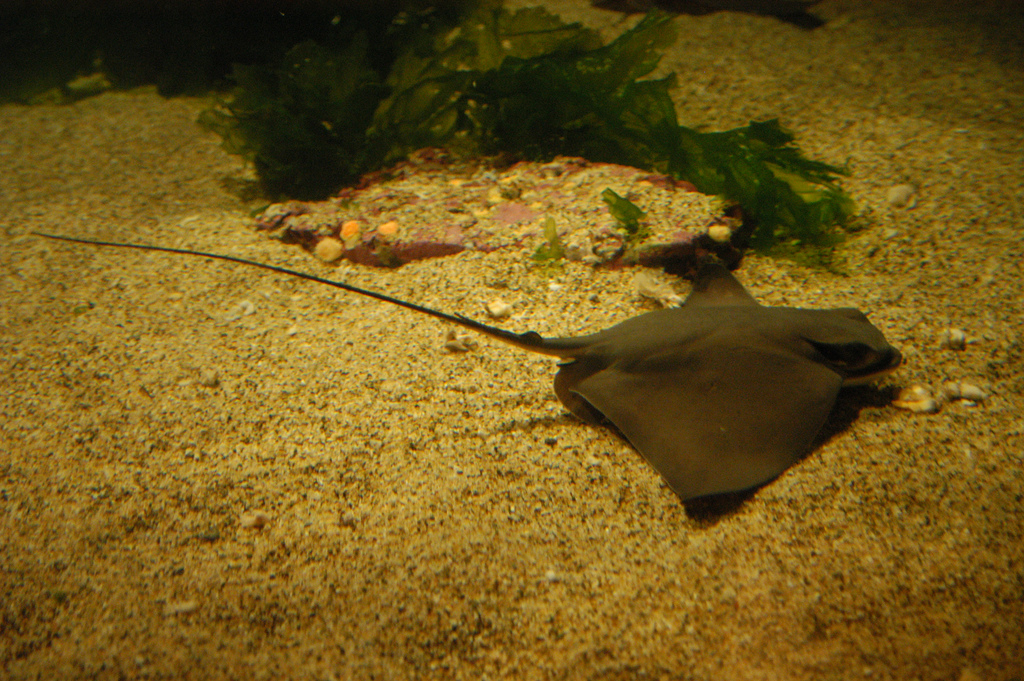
719,395
791,11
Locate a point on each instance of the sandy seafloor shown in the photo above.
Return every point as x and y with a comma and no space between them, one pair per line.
437,515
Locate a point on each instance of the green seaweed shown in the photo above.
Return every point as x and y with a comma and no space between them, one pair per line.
627,214
303,124
524,84
551,251
435,98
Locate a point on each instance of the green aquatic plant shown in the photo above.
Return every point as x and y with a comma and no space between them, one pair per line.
440,88
303,125
792,198
627,214
551,250
520,83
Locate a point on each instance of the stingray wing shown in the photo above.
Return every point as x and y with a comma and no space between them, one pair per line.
713,417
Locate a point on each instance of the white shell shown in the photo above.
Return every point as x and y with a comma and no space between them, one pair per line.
498,309
962,390
458,342
649,287
917,399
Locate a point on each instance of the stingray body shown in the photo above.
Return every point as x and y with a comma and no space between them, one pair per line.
792,11
719,395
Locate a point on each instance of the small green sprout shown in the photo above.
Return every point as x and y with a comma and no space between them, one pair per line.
552,250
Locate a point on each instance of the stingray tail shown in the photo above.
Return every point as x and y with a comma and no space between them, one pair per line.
531,340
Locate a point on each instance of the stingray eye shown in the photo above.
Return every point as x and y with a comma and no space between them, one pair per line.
845,355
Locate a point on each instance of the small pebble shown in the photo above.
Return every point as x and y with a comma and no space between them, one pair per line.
917,399
208,378
329,249
962,390
902,196
180,608
953,339
498,309
578,247
720,233
350,232
458,342
256,520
